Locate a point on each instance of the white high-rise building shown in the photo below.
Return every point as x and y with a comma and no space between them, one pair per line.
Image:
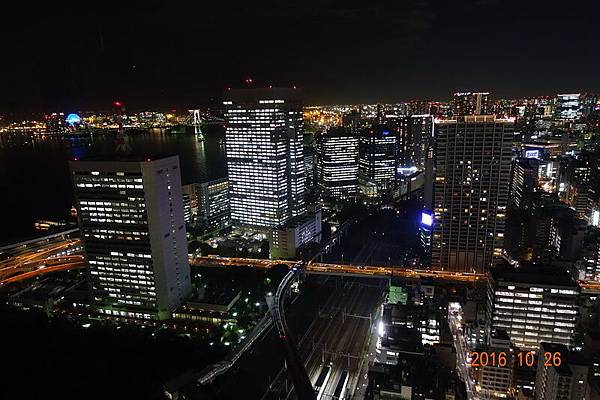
533,304
132,225
472,167
337,162
264,156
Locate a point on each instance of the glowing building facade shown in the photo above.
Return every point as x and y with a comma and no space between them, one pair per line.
567,106
264,156
213,203
378,159
473,160
132,225
533,305
337,162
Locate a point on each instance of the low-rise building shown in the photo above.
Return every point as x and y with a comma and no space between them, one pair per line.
287,238
210,307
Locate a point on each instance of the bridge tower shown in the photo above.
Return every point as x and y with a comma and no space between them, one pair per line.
196,120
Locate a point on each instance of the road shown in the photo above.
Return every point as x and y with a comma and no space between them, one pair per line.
36,256
34,259
463,366
340,269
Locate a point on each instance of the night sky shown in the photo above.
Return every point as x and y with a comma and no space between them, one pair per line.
63,56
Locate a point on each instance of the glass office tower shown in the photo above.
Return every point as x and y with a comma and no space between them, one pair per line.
264,156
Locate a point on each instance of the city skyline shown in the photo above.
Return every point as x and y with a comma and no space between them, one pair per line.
216,101
311,200
415,236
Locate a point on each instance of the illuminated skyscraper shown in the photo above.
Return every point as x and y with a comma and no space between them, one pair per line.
473,156
524,180
213,203
337,162
264,156
378,158
567,106
417,140
470,103
132,225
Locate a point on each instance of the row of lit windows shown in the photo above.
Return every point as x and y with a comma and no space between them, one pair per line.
126,314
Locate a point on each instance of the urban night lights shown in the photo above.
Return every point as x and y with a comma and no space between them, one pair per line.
333,201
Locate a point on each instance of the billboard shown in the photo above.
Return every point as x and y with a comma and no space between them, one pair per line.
426,218
595,220
532,154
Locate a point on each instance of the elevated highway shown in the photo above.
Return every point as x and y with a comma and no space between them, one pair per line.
360,271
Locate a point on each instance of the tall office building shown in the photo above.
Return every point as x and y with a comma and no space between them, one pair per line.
213,203
523,183
132,225
417,140
264,156
567,106
188,215
337,162
470,103
473,156
378,158
309,165
534,304
589,104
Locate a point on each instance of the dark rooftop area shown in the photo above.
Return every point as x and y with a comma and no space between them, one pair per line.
533,274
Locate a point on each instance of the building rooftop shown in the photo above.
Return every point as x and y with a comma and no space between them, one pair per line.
533,274
568,357
119,157
296,221
338,131
256,95
402,339
475,119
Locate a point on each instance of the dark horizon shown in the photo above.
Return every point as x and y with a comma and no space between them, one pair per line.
150,55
